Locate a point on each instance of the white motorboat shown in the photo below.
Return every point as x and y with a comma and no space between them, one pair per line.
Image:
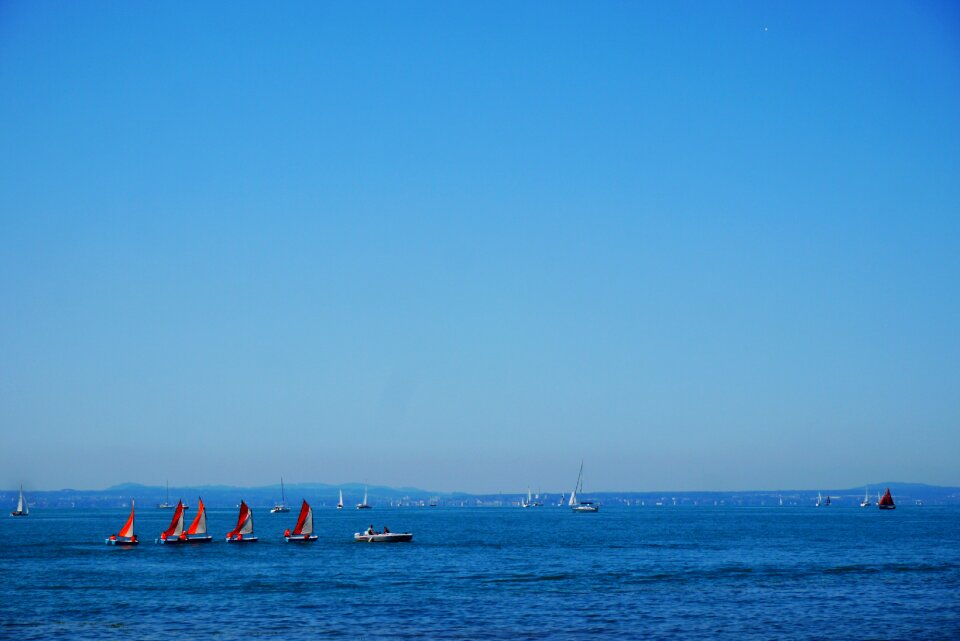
383,537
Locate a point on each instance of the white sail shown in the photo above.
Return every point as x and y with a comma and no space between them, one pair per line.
364,495
529,496
177,531
202,523
22,503
247,527
308,523
340,504
573,499
578,487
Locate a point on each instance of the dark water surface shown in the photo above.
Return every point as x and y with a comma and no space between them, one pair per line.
625,573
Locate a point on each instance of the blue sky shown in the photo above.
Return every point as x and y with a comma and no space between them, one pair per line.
465,245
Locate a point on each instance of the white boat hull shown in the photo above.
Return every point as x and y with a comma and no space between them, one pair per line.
392,537
301,538
246,539
124,542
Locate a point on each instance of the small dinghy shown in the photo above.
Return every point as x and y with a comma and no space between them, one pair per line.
126,535
22,508
197,532
174,534
886,503
371,536
303,531
243,533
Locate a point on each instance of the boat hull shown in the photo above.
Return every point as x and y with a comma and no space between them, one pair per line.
887,507
246,539
278,510
16,513
398,537
301,538
121,542
586,510
363,507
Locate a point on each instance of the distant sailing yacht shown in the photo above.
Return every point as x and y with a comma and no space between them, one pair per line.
364,505
126,534
529,501
22,508
166,503
303,530
282,506
243,533
340,502
886,503
866,499
823,501
583,507
197,532
174,533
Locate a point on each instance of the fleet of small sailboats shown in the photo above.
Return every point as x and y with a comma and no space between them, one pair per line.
243,533
22,508
303,530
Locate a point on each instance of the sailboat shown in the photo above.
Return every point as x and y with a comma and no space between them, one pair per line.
364,505
340,503
529,501
166,503
282,506
126,534
866,499
821,501
197,532
243,533
781,501
22,508
583,507
174,533
303,530
562,499
886,503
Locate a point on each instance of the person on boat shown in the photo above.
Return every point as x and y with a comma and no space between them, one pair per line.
370,530
386,530
286,532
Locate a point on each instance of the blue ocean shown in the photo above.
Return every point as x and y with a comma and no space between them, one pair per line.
493,573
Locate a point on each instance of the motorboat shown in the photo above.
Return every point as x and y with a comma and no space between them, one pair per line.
382,537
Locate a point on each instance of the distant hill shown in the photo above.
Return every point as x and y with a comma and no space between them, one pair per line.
321,494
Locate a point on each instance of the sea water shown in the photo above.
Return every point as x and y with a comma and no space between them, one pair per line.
493,573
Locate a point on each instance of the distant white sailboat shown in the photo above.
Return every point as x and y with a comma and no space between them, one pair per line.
282,505
22,508
165,505
866,502
582,507
364,505
529,501
340,503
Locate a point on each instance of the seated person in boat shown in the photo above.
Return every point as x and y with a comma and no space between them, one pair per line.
370,530
386,530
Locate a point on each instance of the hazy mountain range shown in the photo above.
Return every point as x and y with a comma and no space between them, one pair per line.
320,495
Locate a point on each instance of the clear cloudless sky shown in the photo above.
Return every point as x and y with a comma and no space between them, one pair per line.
461,246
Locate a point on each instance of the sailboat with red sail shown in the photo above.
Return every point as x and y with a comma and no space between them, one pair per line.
174,533
886,503
126,535
303,530
197,532
243,533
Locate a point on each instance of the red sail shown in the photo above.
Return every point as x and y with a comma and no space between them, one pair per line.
201,514
244,515
127,530
887,499
304,511
176,525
